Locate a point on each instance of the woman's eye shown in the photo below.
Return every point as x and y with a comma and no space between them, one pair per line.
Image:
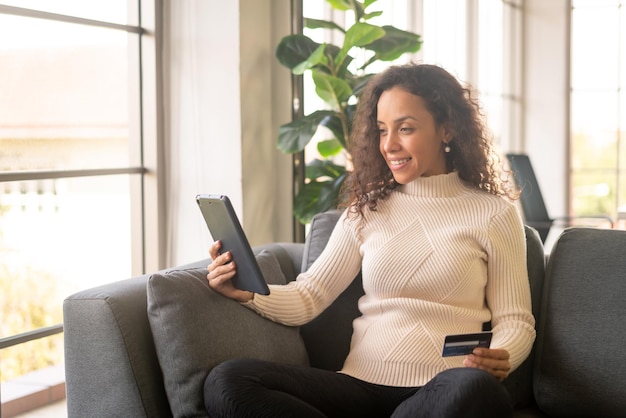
381,131
406,129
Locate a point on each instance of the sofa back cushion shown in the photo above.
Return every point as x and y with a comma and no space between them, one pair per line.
581,355
194,329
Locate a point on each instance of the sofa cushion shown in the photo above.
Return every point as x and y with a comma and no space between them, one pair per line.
195,329
581,360
321,227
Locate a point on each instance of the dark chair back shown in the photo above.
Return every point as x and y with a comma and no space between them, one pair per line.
533,205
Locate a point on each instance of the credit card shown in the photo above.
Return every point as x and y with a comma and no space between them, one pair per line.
464,344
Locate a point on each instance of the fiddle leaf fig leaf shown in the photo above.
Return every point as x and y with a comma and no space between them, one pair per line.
335,125
305,202
394,43
295,49
369,16
295,135
359,11
323,169
359,34
316,197
359,84
317,58
340,4
329,147
321,24
331,89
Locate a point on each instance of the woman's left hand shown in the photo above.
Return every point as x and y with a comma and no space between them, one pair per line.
493,360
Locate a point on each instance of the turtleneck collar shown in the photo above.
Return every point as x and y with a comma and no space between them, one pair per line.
441,185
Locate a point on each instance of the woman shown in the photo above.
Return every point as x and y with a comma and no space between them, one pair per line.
441,251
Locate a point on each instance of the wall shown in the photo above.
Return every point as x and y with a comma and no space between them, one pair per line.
265,105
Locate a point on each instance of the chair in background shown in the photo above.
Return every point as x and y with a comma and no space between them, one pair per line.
533,205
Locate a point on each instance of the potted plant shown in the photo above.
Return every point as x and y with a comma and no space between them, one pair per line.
338,81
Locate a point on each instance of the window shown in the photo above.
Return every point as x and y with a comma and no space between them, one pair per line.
73,135
499,63
480,42
598,107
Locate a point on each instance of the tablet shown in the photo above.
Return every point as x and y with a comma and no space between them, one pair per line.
224,225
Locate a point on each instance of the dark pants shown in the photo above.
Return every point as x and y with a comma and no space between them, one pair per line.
253,388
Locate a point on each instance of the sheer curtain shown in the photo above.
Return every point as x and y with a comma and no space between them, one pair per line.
202,117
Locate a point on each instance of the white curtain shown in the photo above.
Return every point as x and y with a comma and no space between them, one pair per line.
202,117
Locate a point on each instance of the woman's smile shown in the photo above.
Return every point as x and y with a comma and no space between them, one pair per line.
396,164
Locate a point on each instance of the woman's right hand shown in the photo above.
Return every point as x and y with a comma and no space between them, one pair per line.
221,270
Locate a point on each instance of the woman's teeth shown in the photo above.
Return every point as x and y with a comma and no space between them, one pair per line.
398,162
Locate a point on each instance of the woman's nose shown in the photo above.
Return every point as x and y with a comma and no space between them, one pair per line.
390,142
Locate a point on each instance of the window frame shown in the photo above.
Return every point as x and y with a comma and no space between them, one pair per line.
147,217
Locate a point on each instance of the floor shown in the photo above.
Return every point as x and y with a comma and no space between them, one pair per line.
55,410
37,394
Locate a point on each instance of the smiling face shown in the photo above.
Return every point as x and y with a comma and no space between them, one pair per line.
410,142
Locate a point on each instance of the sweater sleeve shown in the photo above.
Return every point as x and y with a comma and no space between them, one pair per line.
301,300
508,289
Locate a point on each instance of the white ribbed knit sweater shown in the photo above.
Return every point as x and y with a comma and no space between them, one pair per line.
437,258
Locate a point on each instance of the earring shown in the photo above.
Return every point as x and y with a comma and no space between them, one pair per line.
446,149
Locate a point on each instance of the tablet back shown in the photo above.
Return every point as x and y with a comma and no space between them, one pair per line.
224,225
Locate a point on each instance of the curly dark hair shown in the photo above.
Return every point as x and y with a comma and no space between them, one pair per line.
451,105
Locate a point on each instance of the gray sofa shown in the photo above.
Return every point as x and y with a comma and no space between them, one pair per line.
141,347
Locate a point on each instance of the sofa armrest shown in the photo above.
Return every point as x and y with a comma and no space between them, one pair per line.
111,366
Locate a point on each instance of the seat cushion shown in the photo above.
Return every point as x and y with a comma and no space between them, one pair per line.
194,329
581,360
